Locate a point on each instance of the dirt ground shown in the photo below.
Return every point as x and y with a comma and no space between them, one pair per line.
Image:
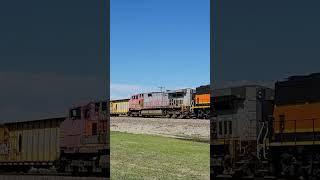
197,129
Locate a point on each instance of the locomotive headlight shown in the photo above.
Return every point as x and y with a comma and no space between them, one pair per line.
260,94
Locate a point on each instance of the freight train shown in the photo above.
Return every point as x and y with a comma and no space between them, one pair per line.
257,132
181,103
75,144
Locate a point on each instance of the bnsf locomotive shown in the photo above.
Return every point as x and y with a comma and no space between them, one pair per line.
77,143
258,132
182,103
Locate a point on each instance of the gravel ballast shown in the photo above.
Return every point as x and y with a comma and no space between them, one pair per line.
195,129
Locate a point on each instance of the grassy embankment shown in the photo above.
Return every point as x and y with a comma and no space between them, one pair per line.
154,157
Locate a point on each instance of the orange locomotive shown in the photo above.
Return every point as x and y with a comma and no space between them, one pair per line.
201,102
295,139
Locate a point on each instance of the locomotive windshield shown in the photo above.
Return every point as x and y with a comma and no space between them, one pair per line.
176,95
75,113
224,103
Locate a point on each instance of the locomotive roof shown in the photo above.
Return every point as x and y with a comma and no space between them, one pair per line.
86,103
61,118
119,100
154,92
298,89
178,90
243,86
304,77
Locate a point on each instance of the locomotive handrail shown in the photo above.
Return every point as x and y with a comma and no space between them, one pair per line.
297,129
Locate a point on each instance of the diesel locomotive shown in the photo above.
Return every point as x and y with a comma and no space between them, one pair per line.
267,133
181,103
77,143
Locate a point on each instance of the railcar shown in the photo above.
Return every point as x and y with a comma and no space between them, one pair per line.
26,144
77,143
201,102
287,140
295,138
180,103
119,107
237,131
84,147
136,104
155,104
173,103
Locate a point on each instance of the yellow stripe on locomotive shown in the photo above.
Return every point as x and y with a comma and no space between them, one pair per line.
297,118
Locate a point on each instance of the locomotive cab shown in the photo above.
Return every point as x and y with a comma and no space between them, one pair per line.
84,147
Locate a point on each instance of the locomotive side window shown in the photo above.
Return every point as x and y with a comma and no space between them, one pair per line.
230,127
20,143
149,95
220,128
75,113
225,127
281,118
94,129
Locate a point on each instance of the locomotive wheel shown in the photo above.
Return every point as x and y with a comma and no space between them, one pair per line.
200,114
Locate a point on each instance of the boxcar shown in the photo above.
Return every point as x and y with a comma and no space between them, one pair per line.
30,144
119,107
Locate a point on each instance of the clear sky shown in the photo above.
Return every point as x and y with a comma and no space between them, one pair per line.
51,57
266,40
159,43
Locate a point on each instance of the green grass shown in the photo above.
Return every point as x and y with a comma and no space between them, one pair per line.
155,157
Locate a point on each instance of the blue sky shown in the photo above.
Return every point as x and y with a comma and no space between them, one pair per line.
158,43
265,40
52,57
